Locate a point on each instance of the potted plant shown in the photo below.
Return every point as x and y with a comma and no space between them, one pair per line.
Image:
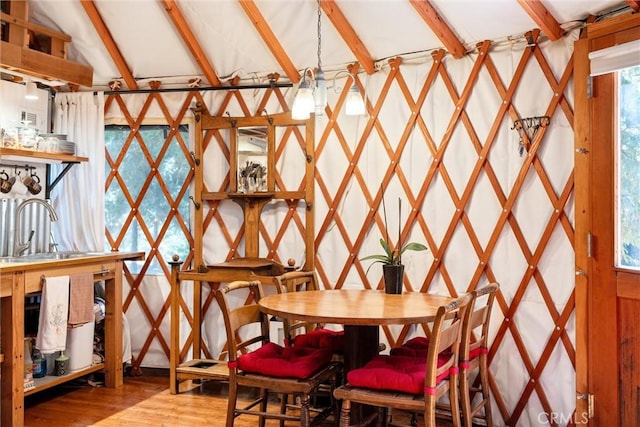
391,259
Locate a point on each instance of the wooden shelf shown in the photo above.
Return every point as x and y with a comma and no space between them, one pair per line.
285,195
53,380
203,369
15,154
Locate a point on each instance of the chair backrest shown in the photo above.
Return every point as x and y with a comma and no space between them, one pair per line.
241,315
446,335
478,318
296,281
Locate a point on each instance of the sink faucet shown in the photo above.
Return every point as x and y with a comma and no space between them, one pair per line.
18,246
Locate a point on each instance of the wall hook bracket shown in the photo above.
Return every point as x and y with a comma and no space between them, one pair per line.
528,128
196,204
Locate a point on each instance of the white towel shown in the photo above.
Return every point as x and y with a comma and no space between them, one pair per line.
54,308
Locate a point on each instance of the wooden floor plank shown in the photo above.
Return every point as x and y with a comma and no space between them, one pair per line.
141,401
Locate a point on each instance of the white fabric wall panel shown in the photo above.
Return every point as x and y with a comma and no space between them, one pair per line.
506,229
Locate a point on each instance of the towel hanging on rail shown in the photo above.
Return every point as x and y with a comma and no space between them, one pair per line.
52,322
81,299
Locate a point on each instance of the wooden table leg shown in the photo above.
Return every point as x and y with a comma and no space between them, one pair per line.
361,345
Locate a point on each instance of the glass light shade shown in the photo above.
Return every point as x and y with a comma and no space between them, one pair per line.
320,94
303,103
354,104
31,90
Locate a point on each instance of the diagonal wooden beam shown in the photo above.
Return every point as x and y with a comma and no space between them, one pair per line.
440,28
634,4
105,35
350,37
190,40
543,18
270,39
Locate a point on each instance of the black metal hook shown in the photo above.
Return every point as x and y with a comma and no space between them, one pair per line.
269,118
231,120
196,204
195,160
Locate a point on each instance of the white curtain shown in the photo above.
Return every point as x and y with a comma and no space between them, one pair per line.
79,197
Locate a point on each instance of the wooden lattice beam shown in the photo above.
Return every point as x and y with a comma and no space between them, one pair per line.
543,18
191,41
107,39
440,28
270,39
349,35
634,4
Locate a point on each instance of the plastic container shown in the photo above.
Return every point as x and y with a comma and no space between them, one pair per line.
80,346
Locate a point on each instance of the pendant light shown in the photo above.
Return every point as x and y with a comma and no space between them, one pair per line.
312,95
31,90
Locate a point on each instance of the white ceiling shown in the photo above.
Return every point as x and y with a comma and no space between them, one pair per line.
153,48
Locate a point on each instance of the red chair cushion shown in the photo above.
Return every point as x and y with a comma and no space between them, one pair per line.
321,338
284,362
415,347
397,373
419,346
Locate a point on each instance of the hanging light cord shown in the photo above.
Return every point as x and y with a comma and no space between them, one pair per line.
319,36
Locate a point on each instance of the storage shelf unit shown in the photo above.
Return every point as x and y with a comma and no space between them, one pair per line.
26,157
251,202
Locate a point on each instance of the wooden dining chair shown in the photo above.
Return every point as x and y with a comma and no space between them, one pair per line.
256,362
409,383
473,356
303,333
474,352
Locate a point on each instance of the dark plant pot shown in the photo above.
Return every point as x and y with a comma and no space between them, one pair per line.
393,274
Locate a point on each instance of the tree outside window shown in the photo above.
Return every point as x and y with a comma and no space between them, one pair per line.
147,187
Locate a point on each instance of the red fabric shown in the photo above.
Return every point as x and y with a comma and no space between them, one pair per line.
418,347
398,373
415,347
321,338
284,362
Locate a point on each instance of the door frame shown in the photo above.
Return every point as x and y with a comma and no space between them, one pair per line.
597,321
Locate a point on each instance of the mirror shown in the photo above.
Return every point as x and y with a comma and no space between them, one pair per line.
252,161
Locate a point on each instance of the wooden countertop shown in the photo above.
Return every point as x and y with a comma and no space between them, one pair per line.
31,264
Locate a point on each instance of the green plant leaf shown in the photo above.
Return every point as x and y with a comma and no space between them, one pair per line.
413,246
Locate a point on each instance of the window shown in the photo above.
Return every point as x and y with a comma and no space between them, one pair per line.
628,172
148,174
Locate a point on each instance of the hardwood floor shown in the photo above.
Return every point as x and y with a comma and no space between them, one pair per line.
142,401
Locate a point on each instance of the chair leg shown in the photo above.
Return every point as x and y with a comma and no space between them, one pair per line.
283,407
484,383
453,399
231,403
264,400
465,397
384,417
430,411
345,413
304,411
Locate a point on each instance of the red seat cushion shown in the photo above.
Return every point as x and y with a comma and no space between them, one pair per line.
321,338
418,347
284,362
398,373
415,347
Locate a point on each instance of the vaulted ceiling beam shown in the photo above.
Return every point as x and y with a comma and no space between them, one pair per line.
107,39
270,39
634,4
440,28
190,40
350,37
543,18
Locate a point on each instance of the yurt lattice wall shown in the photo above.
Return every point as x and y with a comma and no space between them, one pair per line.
490,202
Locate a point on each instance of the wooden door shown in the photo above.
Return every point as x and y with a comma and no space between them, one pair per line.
608,348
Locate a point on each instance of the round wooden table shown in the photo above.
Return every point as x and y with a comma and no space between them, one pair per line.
361,312
355,307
